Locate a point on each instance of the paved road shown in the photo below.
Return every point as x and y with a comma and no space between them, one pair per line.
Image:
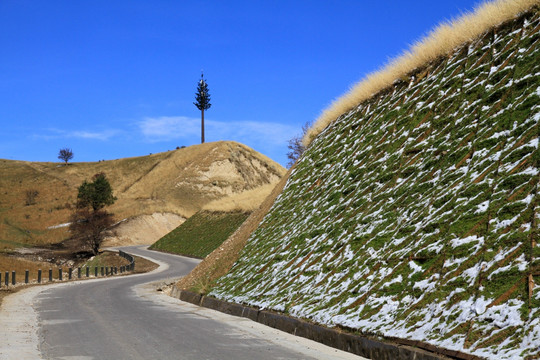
125,318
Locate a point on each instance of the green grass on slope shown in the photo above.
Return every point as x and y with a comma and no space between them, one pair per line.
201,234
417,214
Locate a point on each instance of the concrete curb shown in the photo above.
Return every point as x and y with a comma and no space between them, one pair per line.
357,344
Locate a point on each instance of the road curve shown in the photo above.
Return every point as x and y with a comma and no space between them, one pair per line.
125,318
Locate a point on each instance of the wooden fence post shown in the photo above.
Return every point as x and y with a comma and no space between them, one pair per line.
87,271
26,276
39,276
79,272
50,275
60,274
102,271
13,281
70,273
95,271
7,278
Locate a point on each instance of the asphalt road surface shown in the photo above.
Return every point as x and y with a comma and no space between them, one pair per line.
126,318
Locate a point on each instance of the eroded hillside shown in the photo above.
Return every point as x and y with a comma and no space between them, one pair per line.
177,182
416,214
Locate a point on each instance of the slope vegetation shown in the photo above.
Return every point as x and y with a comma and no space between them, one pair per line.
201,234
416,214
177,182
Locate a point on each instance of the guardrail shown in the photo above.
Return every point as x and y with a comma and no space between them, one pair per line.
99,271
129,258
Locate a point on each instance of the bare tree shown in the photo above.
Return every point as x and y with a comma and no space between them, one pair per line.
296,146
65,155
88,226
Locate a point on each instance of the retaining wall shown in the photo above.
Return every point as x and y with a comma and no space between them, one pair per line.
363,345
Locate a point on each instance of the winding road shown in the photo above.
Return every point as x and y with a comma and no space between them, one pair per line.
126,318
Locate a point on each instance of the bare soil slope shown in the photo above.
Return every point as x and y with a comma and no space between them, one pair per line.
143,229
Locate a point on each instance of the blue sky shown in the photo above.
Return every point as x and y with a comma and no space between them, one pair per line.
114,79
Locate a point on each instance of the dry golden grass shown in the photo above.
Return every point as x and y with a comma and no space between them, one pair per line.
8,263
439,42
218,263
143,265
246,201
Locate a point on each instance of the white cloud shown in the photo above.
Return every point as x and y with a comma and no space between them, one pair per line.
96,135
269,138
103,135
167,128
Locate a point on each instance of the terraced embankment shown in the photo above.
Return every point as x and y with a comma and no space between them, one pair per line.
416,214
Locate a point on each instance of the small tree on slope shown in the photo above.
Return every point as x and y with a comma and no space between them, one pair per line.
202,97
65,155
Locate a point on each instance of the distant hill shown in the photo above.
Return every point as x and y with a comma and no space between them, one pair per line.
176,183
416,213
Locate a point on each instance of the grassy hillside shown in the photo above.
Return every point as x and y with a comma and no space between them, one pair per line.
201,234
416,214
179,182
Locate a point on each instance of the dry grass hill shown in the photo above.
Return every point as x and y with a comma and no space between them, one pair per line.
155,193
416,213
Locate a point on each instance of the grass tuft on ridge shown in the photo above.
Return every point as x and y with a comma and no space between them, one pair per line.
441,41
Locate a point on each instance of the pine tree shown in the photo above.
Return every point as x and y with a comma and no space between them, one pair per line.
202,97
